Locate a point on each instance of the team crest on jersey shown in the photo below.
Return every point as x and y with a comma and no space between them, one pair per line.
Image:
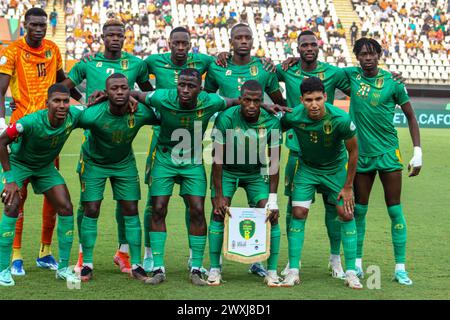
48,54
99,64
327,127
302,126
379,83
124,64
254,71
358,77
131,121
228,73
200,113
191,65
321,75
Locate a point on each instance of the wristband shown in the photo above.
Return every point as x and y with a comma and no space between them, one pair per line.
417,152
272,197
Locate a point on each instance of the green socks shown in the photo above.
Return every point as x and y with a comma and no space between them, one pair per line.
198,244
133,234
65,239
7,231
187,220
333,228
147,219
275,236
349,236
88,238
215,242
360,219
296,236
158,243
122,238
398,231
288,215
80,215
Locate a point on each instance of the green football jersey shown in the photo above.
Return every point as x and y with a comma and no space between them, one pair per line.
372,108
245,144
99,69
230,79
321,142
182,129
332,77
40,143
166,72
109,139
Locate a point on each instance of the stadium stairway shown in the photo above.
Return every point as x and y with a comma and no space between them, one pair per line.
345,12
60,35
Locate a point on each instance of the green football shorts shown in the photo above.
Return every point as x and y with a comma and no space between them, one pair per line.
42,179
292,166
306,183
387,162
256,186
164,174
124,182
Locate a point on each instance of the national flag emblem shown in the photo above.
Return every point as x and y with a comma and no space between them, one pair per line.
124,64
254,71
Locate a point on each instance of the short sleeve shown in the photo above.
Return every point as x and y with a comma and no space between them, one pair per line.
285,121
272,83
217,101
219,130
401,94
276,135
210,81
207,60
27,123
347,128
149,64
154,99
8,61
59,62
84,119
341,80
142,76
280,73
150,116
78,72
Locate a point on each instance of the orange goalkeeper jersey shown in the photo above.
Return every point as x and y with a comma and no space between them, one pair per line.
32,71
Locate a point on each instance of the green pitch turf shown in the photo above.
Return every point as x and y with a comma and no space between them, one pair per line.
425,202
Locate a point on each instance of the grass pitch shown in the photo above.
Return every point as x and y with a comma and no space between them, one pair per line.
425,202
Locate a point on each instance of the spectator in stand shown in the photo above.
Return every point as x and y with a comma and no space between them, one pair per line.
260,53
353,33
53,21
